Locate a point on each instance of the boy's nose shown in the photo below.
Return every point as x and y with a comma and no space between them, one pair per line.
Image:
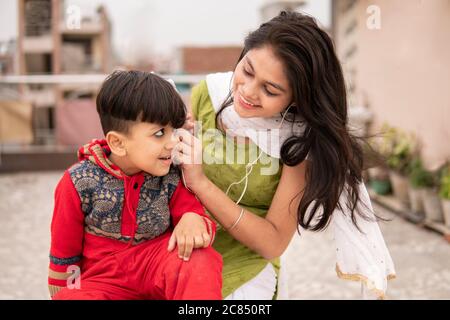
172,142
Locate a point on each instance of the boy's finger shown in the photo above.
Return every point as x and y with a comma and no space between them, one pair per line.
188,248
172,242
199,242
206,240
181,242
208,225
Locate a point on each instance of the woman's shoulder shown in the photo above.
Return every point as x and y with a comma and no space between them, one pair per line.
219,86
199,91
210,92
200,100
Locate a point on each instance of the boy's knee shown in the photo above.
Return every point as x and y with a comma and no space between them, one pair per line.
205,258
200,258
206,255
198,278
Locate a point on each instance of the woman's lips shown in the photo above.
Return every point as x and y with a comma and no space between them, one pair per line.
245,104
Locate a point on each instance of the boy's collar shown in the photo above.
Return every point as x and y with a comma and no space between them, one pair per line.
98,151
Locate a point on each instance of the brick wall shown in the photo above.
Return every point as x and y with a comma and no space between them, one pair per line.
209,59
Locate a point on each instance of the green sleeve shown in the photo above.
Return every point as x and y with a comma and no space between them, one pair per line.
199,97
202,107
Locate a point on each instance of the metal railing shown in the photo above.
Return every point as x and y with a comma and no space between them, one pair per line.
189,79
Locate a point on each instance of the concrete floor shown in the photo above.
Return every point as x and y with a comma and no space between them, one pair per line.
422,257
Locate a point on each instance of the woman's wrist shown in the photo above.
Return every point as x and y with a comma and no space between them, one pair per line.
200,184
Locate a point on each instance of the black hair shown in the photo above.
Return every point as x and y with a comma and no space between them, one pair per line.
127,96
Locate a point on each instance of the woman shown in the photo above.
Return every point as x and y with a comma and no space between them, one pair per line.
288,83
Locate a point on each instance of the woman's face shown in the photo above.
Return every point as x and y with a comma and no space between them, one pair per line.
260,86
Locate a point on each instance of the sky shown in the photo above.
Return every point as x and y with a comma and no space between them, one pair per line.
160,26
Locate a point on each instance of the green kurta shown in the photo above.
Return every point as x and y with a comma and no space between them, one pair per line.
240,263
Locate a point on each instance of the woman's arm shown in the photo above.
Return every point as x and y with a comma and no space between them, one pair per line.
267,236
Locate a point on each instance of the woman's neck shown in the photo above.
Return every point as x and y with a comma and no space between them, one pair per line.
223,127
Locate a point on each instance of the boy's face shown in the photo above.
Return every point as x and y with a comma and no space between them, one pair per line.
149,147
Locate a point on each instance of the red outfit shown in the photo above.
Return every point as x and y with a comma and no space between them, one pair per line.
116,228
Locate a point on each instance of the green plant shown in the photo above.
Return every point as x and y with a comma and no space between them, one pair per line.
419,177
444,191
398,148
381,187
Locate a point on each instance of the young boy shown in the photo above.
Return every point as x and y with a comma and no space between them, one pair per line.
111,229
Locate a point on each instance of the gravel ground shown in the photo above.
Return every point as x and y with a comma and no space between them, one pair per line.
422,257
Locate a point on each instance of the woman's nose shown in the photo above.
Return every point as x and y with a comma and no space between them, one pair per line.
249,90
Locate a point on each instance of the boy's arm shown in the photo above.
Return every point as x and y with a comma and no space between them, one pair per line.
67,231
184,201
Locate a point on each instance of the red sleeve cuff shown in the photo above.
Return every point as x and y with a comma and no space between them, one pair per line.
183,201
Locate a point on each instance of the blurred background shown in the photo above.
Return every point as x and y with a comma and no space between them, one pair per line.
395,54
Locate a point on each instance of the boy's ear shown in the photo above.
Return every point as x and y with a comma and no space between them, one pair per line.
116,142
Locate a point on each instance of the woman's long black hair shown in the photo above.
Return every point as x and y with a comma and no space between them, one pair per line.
319,95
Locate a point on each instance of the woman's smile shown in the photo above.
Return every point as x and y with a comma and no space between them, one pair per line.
246,104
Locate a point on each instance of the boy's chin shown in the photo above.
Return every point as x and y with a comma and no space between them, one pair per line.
159,172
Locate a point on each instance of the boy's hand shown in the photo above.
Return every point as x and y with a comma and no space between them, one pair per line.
190,232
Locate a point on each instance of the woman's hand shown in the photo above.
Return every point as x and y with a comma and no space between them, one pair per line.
188,152
189,123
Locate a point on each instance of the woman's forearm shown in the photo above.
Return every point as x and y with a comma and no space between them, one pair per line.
255,232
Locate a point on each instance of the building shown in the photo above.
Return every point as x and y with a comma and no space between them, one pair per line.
55,38
202,60
395,55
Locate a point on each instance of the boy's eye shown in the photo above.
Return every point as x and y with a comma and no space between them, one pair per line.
159,133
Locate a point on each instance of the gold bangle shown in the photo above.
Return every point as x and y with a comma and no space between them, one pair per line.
237,220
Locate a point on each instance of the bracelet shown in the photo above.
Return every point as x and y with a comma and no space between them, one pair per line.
237,220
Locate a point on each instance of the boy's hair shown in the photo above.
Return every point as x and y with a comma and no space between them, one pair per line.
138,96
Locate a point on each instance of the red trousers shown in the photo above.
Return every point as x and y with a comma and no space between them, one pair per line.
149,271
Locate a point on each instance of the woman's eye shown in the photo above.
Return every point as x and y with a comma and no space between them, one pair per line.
159,133
269,93
246,72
